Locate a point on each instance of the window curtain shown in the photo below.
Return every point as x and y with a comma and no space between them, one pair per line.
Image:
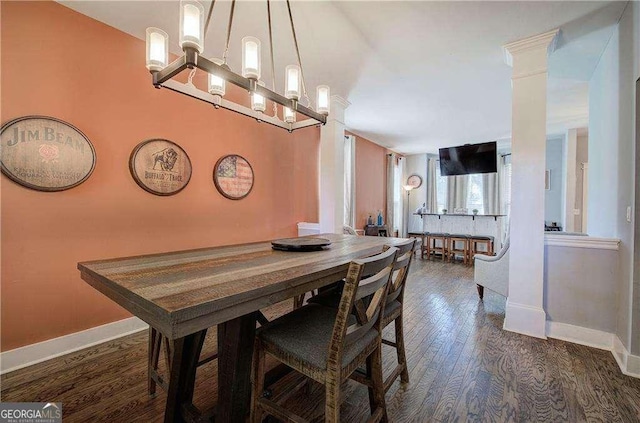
504,167
491,197
401,195
457,191
432,185
349,181
391,170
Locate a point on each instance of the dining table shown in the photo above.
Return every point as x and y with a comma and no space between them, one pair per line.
182,294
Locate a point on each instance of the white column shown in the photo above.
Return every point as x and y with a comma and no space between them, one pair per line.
569,202
332,168
528,57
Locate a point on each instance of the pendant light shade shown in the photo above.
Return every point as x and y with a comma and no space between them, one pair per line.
322,100
251,57
289,115
217,85
191,25
292,82
157,49
258,102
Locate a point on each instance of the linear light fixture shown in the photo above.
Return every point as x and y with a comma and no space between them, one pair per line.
192,32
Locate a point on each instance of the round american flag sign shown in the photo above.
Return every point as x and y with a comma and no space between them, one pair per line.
233,176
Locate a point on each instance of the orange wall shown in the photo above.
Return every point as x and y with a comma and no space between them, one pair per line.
371,180
60,63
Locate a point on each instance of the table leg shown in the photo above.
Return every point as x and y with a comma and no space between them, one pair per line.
184,361
235,352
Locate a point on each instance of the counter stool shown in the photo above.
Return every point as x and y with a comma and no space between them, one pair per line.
464,250
432,244
487,241
421,236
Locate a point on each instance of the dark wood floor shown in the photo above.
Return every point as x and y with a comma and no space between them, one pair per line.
463,367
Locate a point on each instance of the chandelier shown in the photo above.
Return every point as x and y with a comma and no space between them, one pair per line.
192,31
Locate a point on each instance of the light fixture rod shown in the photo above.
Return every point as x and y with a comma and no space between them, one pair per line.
218,101
191,57
169,71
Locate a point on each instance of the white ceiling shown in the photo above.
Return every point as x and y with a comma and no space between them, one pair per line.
418,75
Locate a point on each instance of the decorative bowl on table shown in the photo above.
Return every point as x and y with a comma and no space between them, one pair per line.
300,244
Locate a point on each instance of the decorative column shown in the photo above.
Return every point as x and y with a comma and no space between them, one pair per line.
528,57
569,201
332,168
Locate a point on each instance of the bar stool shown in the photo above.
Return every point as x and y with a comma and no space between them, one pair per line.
421,236
454,241
487,241
432,244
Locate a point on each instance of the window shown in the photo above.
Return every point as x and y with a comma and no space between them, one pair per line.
475,194
475,199
441,190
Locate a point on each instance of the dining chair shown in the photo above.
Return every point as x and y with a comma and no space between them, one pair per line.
393,311
328,345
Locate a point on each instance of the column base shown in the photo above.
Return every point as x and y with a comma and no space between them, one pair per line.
525,319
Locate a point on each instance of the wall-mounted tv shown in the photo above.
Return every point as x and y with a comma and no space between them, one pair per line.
469,158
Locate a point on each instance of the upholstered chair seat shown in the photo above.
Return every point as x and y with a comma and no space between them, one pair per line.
305,333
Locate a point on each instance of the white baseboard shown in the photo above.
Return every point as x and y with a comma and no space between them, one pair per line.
633,365
35,353
580,335
629,364
524,319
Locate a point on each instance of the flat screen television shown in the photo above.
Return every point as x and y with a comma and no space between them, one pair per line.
469,158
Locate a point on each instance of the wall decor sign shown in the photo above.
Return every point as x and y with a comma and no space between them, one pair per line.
233,176
45,153
160,167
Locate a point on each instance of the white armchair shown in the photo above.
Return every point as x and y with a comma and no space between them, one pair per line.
348,230
493,271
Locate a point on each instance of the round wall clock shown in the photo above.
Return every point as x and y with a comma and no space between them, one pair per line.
233,176
160,167
415,181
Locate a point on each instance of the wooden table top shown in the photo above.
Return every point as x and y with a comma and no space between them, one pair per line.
182,292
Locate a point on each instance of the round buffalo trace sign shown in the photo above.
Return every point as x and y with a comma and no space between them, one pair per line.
160,167
45,154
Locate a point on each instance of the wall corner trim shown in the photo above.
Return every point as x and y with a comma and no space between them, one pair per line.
579,241
629,364
51,348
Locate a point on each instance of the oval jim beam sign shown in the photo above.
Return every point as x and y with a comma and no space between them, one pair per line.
45,154
160,167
